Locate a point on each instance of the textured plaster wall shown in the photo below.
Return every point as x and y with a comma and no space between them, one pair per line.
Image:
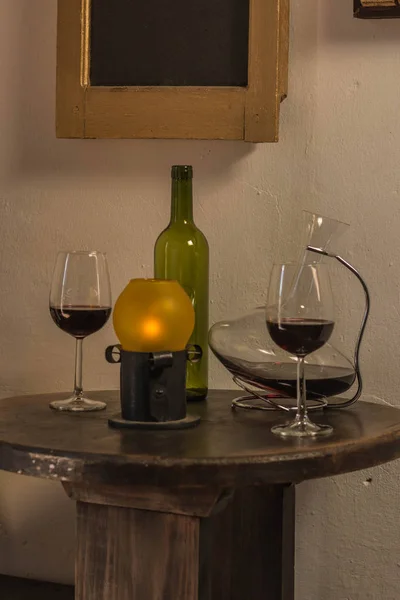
338,154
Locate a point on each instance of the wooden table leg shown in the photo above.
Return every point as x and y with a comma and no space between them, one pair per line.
130,554
231,549
248,549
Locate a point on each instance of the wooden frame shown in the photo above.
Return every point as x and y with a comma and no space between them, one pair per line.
232,113
377,9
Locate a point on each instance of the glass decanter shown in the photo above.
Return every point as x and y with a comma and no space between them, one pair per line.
265,371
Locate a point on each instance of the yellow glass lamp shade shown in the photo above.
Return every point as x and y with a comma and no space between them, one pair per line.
153,315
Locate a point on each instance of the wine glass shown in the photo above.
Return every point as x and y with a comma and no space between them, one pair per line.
300,320
80,304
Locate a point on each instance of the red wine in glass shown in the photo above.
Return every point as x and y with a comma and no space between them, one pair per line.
300,336
80,321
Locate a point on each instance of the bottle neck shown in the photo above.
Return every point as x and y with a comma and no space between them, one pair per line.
182,201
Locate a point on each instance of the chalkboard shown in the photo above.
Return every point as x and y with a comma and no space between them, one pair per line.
169,42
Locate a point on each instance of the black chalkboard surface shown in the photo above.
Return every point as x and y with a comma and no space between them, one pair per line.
169,42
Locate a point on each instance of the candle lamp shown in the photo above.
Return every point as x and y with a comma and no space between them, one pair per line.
153,320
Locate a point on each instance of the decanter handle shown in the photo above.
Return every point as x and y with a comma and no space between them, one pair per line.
348,402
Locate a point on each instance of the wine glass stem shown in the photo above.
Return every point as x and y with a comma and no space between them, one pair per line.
301,390
78,391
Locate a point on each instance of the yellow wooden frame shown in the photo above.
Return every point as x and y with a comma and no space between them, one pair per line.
230,113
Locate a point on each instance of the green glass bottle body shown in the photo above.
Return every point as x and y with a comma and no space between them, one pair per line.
181,252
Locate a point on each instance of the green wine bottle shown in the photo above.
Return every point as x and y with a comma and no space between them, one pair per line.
181,253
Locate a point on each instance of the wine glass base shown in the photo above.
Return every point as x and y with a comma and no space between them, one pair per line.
301,429
77,404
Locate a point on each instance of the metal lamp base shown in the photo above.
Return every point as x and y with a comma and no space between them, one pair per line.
188,422
152,390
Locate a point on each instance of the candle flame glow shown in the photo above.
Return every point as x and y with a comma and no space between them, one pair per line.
152,328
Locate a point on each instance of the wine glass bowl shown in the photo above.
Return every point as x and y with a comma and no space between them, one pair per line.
300,336
80,321
299,318
80,305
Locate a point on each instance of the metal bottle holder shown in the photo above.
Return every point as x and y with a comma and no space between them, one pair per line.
152,389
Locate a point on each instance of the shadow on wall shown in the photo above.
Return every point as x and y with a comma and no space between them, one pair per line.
40,153
347,536
34,546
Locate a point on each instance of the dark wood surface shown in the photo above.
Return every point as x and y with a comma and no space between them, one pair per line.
198,501
16,588
227,449
179,43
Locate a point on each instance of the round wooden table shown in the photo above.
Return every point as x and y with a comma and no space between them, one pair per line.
199,514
